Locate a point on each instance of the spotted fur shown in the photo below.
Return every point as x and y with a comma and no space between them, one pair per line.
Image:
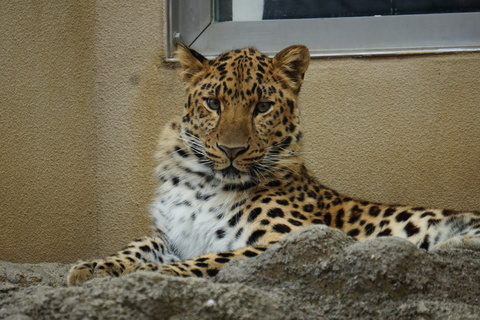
232,181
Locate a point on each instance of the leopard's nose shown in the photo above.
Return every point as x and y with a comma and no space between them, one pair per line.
232,153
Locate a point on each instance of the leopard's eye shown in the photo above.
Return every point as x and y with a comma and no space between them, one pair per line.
212,104
263,107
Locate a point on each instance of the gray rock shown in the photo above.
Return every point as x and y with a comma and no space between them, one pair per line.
317,273
49,274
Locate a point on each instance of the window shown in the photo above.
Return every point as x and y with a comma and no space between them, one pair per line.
327,27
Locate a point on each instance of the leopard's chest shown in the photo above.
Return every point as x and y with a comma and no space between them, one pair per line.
195,215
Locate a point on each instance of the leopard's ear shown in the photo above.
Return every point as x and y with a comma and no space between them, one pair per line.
191,61
293,63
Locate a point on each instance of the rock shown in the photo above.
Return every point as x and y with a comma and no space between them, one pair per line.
315,273
50,274
141,296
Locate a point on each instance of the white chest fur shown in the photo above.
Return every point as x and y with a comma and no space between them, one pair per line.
194,214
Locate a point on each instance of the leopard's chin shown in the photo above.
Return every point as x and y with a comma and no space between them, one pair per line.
232,172
233,175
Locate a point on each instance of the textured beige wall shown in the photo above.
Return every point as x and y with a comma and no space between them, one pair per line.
400,130
84,93
46,130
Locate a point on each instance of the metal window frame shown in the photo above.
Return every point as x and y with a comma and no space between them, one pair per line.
192,23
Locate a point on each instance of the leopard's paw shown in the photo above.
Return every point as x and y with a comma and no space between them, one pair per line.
81,273
465,242
85,271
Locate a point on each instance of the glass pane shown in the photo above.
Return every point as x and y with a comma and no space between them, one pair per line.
251,10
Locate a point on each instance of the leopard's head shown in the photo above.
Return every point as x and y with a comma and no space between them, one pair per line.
241,116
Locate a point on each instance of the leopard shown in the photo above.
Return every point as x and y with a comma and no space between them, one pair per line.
232,179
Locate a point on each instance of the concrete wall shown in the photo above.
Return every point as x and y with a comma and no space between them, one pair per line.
84,93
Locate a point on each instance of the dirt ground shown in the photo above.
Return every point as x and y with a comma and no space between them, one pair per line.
317,273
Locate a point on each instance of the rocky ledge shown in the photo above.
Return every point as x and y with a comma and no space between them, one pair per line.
317,273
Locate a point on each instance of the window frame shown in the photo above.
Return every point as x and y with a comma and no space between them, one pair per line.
192,23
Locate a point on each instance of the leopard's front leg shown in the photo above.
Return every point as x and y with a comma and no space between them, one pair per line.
207,265
147,250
